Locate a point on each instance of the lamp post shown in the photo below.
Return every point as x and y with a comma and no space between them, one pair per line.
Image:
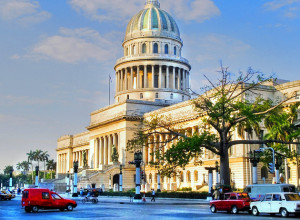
68,182
138,156
75,168
254,159
217,172
36,176
121,179
10,178
277,166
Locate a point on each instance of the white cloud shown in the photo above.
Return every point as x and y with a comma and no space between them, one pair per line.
116,10
188,10
22,11
76,45
23,100
290,8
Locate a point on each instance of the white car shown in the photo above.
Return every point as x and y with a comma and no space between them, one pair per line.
273,203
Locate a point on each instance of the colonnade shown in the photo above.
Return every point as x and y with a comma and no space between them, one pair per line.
103,149
62,162
78,156
152,76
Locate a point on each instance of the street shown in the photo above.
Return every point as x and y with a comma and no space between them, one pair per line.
124,210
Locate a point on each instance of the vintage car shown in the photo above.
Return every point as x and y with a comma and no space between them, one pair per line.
3,196
7,195
35,199
279,202
231,202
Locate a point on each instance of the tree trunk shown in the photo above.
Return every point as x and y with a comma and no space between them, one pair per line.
44,169
224,167
32,171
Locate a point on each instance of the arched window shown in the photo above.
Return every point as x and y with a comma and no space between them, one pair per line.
264,172
144,48
166,49
156,95
126,51
171,96
196,176
150,178
175,51
141,96
155,48
134,49
188,176
183,98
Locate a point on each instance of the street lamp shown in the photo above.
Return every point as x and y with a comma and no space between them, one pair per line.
278,163
75,168
138,157
68,182
254,159
120,179
217,172
10,178
36,176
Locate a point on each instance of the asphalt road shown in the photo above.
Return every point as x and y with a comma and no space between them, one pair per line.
12,210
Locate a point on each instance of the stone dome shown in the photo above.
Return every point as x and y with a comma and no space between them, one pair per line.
152,22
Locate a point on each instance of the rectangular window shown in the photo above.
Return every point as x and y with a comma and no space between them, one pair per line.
45,195
25,194
155,81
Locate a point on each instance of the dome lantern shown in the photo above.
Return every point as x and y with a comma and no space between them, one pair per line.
151,3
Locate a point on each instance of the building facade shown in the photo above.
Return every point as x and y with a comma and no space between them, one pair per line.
152,78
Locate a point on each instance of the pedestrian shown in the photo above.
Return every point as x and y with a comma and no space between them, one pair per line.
153,195
216,194
81,192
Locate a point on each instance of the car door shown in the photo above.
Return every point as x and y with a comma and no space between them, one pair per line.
276,203
45,202
56,201
226,202
265,204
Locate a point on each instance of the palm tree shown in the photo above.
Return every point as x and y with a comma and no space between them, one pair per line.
19,166
37,157
25,164
30,157
45,157
51,165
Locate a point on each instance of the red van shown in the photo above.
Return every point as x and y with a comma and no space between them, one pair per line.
35,199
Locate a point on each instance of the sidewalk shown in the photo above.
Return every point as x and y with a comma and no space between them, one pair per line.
158,201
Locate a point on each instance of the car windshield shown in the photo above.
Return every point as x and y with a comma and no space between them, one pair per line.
292,197
243,196
55,196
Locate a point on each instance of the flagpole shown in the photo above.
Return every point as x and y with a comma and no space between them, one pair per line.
109,89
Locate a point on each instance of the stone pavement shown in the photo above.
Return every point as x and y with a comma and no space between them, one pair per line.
158,201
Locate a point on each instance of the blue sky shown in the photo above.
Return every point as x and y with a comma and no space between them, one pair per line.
55,57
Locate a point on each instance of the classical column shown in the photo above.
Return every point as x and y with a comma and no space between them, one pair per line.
117,82
160,77
168,77
126,79
183,80
96,146
131,77
145,76
152,69
109,149
138,78
187,80
105,149
179,79
102,150
174,77
122,88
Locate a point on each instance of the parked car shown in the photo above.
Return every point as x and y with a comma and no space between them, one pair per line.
279,202
3,196
257,191
8,195
35,199
231,202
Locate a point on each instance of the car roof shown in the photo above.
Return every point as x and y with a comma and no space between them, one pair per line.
282,184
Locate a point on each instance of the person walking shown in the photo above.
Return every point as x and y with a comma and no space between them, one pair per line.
153,195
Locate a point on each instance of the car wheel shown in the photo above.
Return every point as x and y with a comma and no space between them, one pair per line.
234,210
27,209
284,212
70,207
255,211
213,209
35,208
